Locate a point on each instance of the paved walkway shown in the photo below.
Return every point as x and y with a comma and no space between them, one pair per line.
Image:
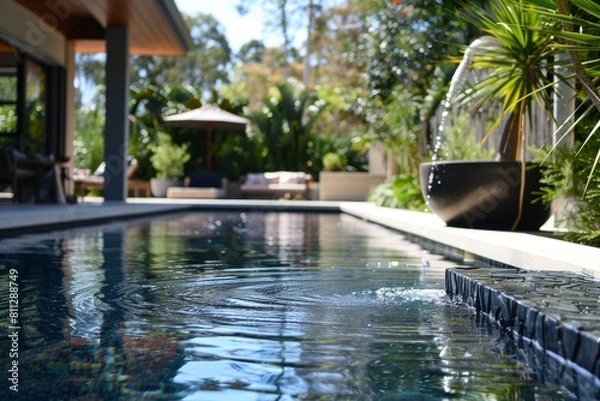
26,217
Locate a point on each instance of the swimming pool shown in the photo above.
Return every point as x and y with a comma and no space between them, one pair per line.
246,306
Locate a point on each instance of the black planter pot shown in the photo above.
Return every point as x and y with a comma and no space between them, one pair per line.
483,194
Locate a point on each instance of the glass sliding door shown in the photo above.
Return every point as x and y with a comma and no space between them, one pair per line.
32,103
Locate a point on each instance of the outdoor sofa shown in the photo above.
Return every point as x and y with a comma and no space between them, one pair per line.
276,184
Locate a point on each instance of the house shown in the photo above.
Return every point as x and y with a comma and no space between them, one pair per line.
38,43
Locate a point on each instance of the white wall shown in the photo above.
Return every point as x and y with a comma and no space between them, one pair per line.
377,159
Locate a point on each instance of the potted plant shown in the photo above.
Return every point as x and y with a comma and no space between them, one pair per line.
168,160
500,193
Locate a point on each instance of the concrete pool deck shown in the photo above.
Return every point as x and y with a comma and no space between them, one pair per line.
547,291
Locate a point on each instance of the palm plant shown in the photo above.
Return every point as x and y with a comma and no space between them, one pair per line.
286,122
573,173
578,33
518,61
586,39
517,57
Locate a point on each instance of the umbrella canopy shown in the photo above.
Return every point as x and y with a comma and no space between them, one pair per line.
208,118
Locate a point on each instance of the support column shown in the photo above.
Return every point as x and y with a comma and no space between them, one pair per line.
116,135
70,111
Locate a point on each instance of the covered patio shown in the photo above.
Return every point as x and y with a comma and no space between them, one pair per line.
38,43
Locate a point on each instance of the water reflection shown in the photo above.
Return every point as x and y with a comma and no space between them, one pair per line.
248,307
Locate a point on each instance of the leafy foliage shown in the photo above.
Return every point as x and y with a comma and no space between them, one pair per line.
566,177
204,67
403,191
334,161
284,17
517,59
88,141
396,125
168,159
405,49
354,158
460,141
569,175
284,124
147,105
578,34
403,42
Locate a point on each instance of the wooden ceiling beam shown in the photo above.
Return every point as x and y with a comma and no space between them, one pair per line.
150,23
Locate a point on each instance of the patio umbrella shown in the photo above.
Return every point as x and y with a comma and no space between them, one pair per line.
208,118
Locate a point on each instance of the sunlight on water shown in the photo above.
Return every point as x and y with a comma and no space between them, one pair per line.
404,295
250,306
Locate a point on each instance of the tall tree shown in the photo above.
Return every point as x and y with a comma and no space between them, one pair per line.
89,78
204,67
285,16
405,45
251,52
405,41
336,30
285,123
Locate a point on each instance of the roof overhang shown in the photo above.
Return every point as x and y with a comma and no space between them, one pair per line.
155,26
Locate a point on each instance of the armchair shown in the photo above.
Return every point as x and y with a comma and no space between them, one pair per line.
31,179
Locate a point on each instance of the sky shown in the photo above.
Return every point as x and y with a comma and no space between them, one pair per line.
239,29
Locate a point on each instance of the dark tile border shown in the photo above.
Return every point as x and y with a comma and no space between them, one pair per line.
553,316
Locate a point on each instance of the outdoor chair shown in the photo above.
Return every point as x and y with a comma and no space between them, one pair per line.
32,179
84,183
22,181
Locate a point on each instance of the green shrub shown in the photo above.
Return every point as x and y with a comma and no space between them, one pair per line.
402,192
168,159
460,141
334,162
569,176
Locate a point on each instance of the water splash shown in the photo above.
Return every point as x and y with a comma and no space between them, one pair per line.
401,295
457,84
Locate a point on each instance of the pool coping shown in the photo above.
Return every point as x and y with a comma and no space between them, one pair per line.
525,250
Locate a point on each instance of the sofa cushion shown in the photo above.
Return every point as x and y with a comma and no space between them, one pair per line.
206,180
195,193
291,177
257,180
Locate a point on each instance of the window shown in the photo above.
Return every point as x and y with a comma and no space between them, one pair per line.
8,95
35,108
29,120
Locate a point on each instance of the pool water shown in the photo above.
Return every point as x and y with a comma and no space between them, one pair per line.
246,306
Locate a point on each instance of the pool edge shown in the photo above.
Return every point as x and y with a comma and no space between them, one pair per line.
563,342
